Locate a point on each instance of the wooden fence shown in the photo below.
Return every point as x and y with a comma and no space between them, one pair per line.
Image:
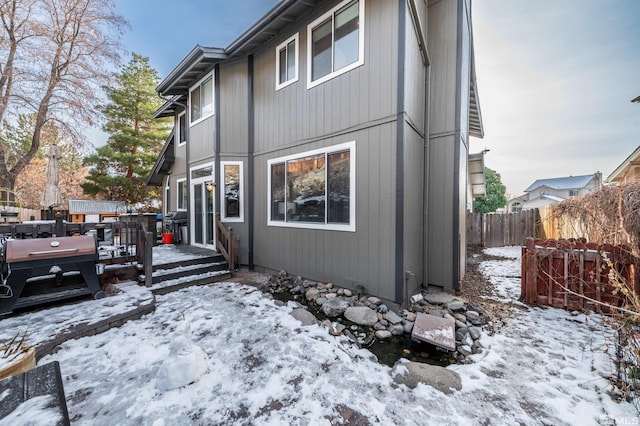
574,275
503,229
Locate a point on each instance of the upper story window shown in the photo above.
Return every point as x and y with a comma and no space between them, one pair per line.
574,192
182,129
314,190
201,99
287,62
336,42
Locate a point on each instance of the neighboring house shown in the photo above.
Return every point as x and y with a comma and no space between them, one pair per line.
95,211
550,191
333,137
628,171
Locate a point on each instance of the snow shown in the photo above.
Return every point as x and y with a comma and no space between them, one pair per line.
544,366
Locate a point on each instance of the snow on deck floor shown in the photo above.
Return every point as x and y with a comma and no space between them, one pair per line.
544,367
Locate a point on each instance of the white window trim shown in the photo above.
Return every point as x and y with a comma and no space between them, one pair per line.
213,98
334,74
283,45
181,139
223,205
178,181
351,226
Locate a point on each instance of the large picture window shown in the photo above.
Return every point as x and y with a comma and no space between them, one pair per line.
232,203
314,190
336,42
182,194
201,99
287,62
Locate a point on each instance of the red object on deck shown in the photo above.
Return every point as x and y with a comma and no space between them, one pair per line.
167,238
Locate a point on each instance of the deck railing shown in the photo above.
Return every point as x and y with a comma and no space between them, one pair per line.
225,243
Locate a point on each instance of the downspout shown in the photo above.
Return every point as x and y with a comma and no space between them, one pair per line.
424,52
400,283
250,161
187,128
218,137
455,253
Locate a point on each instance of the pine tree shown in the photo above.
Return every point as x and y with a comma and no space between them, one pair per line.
119,169
496,195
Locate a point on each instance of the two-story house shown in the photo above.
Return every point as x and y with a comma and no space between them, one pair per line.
543,192
333,137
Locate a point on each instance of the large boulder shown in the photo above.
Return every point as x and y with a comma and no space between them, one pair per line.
304,316
334,307
412,373
361,315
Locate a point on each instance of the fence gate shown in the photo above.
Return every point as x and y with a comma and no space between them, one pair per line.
575,275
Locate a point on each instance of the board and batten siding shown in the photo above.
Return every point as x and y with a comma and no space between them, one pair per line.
364,257
360,106
448,141
364,95
202,140
234,92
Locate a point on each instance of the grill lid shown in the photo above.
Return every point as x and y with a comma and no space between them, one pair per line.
49,248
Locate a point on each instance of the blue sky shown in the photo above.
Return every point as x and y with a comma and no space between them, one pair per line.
555,77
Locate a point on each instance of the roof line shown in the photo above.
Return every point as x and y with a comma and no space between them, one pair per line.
624,164
196,55
269,17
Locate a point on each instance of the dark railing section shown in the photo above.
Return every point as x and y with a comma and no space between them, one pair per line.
225,243
118,242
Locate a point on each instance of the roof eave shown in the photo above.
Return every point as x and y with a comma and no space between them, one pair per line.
248,36
197,56
622,167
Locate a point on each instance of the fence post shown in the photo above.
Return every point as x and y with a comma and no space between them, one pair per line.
530,295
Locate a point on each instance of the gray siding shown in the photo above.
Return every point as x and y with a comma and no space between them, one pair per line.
449,47
364,257
234,94
296,114
202,140
357,106
413,209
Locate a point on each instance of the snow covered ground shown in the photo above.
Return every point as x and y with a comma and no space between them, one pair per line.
545,366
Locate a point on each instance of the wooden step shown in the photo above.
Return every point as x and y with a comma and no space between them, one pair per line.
194,261
166,274
165,287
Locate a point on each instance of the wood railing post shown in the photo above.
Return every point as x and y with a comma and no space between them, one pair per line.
148,258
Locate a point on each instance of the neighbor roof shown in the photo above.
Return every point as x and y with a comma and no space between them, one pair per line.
620,172
569,182
94,206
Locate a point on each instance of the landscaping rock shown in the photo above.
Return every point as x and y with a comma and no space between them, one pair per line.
347,292
304,316
397,329
439,298
335,307
456,305
392,317
413,373
383,334
373,300
312,293
474,332
361,315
